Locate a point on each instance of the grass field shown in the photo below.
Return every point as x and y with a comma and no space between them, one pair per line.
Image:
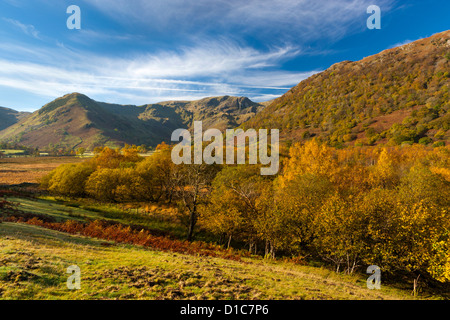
29,170
11,152
19,170
158,218
33,263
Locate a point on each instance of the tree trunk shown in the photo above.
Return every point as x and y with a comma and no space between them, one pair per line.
229,242
415,286
269,250
251,246
354,265
266,249
192,222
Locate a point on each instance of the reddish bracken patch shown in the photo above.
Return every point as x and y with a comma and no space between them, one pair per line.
125,234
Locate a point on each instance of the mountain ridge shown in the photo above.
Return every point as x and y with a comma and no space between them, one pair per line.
400,95
75,120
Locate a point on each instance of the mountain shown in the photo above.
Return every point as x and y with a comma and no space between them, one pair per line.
400,95
75,120
216,112
8,117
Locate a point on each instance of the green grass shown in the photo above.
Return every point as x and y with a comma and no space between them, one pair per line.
11,152
33,263
63,210
83,209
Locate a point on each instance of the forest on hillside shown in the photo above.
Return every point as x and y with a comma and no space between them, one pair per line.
399,96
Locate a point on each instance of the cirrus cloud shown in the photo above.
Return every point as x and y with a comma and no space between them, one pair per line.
215,68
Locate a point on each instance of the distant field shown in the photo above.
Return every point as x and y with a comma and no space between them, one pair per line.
33,263
12,152
30,169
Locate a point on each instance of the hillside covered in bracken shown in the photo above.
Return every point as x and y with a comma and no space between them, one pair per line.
400,95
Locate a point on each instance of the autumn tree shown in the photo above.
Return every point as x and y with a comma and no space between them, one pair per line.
115,185
297,202
115,158
68,179
81,151
102,184
237,204
339,229
421,184
159,174
131,154
384,174
192,188
305,183
312,157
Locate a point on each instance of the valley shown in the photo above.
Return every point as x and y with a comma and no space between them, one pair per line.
363,180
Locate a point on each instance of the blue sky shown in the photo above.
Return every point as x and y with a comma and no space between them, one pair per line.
146,51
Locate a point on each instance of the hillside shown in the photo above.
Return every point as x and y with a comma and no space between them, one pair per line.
400,95
119,271
75,120
216,112
8,117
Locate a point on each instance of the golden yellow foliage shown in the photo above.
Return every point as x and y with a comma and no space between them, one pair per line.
312,157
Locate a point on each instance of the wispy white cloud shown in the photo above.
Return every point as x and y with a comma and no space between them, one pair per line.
216,58
231,63
214,68
28,29
87,36
202,67
290,19
263,97
276,79
402,43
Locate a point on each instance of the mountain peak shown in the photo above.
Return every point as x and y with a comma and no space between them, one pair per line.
68,100
76,95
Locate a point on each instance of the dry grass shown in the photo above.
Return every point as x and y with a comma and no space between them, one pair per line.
30,170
